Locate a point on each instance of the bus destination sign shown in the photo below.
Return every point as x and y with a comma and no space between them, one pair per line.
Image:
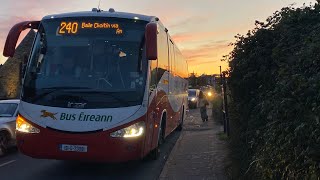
73,27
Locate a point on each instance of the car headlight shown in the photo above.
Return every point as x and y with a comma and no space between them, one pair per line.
134,130
193,99
23,126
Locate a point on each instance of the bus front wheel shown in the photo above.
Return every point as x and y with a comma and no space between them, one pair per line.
155,154
180,126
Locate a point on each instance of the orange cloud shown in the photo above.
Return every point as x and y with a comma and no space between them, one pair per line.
192,36
206,36
189,21
206,55
206,58
206,51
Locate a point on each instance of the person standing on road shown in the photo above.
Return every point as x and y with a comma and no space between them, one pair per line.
203,103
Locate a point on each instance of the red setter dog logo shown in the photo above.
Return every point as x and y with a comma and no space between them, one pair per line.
46,114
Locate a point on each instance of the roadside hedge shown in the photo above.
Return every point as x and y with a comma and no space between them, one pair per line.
275,96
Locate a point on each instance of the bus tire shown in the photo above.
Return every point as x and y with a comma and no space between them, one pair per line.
180,127
4,140
155,154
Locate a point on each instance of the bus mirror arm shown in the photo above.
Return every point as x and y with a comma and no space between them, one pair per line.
13,36
152,89
151,41
23,66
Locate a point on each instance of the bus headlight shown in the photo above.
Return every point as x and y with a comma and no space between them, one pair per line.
193,99
134,130
23,126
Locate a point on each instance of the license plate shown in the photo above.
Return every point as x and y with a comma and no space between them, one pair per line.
73,148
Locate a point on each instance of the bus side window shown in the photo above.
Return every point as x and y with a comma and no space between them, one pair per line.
153,73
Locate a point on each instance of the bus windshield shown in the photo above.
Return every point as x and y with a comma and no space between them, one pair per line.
92,60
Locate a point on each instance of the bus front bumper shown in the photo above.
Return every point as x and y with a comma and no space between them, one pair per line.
101,147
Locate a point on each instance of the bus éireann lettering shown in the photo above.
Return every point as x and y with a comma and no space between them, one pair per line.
85,117
108,85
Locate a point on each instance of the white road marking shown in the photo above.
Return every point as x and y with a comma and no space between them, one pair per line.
6,163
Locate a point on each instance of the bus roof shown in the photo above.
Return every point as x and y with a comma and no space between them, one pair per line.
110,13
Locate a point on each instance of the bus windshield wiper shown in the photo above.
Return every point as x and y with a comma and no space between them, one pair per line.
111,94
55,89
140,53
5,115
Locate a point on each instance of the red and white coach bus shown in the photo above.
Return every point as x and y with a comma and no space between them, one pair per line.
99,86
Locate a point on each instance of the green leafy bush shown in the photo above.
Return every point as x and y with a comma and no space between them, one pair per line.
275,96
216,107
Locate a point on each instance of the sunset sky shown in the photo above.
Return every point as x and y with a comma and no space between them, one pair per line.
201,28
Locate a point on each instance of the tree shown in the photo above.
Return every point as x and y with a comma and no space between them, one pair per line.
274,84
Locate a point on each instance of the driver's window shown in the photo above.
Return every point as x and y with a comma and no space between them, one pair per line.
38,51
35,57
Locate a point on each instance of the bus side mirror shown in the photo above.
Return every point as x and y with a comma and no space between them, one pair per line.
13,36
151,41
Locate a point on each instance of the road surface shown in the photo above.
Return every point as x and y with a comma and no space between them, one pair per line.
16,166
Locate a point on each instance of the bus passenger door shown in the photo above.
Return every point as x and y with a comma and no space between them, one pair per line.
152,104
